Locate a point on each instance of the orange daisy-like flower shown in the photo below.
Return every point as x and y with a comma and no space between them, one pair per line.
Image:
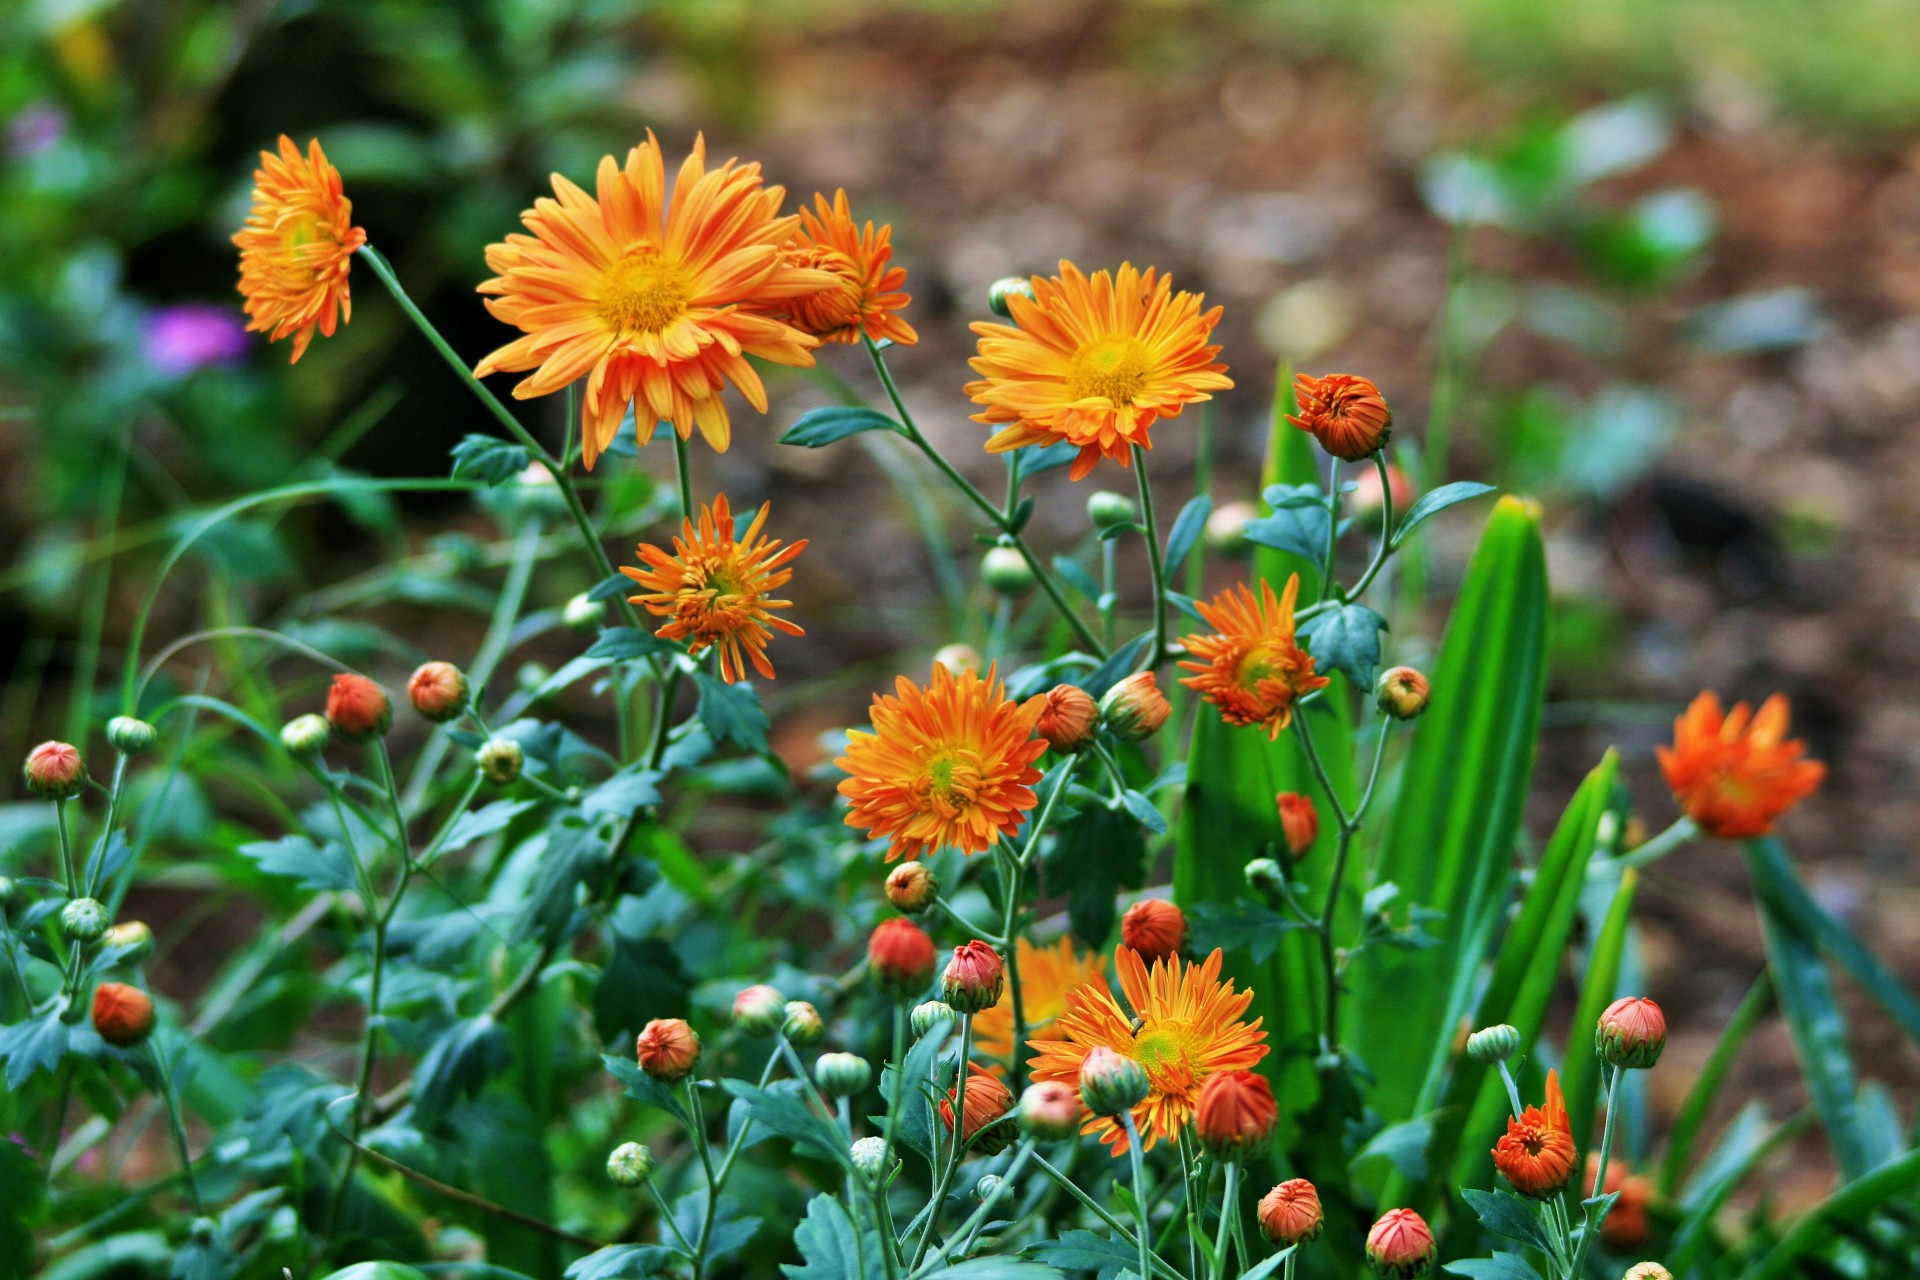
717,589
1047,974
297,247
950,764
1735,773
865,296
657,302
1536,1153
1189,1027
1095,362
1252,670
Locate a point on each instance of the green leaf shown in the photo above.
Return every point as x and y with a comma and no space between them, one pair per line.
1746,1142
642,1087
1298,526
1431,504
1094,855
484,821
631,789
622,1262
1346,639
1080,1250
1402,1145
23,1206
820,427
1840,1214
794,1119
379,1271
1706,1086
573,855
1187,528
34,1045
1144,812
626,644
457,1064
1501,1266
1118,666
489,460
1506,1214
831,1248
731,712
320,867
1253,927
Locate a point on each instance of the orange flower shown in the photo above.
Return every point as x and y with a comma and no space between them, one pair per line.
1094,362
1047,974
1625,1226
1155,928
987,1100
1189,1027
357,708
1252,670
123,1015
657,302
1290,1213
1536,1153
1735,774
1347,415
864,296
947,765
716,588
1068,718
297,247
1235,1115
667,1049
1299,822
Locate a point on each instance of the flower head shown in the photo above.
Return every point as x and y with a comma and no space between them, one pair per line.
1346,414
1290,1213
54,771
1155,928
1094,363
1536,1153
912,887
950,764
630,1164
1252,669
901,957
1189,1027
1068,718
1047,974
1299,822
1050,1111
1734,774
1402,693
975,979
1400,1245
1632,1032
657,301
123,1015
717,589
667,1049
987,1100
1625,1226
357,708
1235,1114
438,691
1134,709
759,1010
864,297
297,247
803,1024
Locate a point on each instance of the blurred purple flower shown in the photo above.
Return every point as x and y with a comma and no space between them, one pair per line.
37,130
191,335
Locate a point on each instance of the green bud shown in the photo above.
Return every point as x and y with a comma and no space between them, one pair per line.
1110,1084
1493,1044
500,760
129,736
1005,571
932,1014
870,1158
630,1165
136,936
84,920
989,1186
582,614
803,1025
306,735
841,1075
1108,509
1001,289
1265,877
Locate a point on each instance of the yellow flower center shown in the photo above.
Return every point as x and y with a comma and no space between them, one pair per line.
952,779
1166,1051
644,293
1115,367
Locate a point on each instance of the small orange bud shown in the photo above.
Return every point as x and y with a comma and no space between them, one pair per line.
1401,693
1290,1213
1299,822
911,887
987,1100
1346,414
1135,708
438,691
1631,1033
974,979
1155,928
123,1015
1235,1114
902,957
1400,1245
53,771
1068,718
357,708
667,1049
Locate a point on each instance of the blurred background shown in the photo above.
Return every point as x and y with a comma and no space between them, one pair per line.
1655,262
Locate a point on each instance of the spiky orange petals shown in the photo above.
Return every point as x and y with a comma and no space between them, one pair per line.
1252,669
1190,1027
1095,363
1346,414
657,302
865,296
987,1100
1735,773
717,590
297,247
1536,1153
1047,974
948,765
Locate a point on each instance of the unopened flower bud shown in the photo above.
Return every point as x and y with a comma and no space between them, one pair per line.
1400,1246
630,1165
870,1158
1631,1033
500,760
1647,1271
988,1187
438,691
1299,822
357,708
932,1014
131,737
901,957
1110,1084
912,887
1155,928
841,1075
1235,1115
1266,877
1227,528
999,291
1005,571
122,1014
306,735
1291,1214
1401,693
803,1024
957,658
1108,509
1050,1111
667,1049
1068,718
974,979
582,614
1135,708
988,1100
759,1010
84,920
1345,413
53,771
135,937
1493,1044
531,677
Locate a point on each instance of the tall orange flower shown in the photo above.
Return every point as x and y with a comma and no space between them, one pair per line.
865,296
1095,362
947,765
1252,670
297,247
1189,1027
1047,974
1734,774
1536,1152
717,589
656,301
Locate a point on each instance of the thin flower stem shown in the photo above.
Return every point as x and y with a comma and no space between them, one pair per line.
1045,815
984,934
955,1149
1158,653
666,1216
1513,1090
1139,1191
163,1073
1016,886
683,475
1121,1231
66,847
1330,589
113,813
1682,830
1589,1220
1385,548
1229,1221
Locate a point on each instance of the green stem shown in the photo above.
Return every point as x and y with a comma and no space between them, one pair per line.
66,847
1010,949
1329,589
1139,1190
666,1216
1154,560
175,1123
1229,1221
1682,830
1121,1231
1590,1220
1385,548
956,1148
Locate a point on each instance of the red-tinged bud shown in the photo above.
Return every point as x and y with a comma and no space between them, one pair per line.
1290,1213
1235,1115
1068,718
667,1049
1155,928
1135,708
1631,1033
1345,413
912,887
1401,693
438,691
902,958
1647,1271
803,1025
1110,1084
988,1100
53,771
974,979
1299,822
123,1015
1050,1111
357,708
759,1010
1400,1246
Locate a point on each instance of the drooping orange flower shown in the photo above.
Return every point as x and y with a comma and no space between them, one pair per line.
1735,773
1536,1152
1190,1027
1095,362
987,1100
947,765
1345,413
656,301
297,247
1252,670
1047,974
718,589
865,296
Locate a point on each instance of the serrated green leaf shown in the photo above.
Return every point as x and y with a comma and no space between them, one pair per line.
1346,639
321,867
731,712
476,824
831,1248
1506,1214
489,460
626,644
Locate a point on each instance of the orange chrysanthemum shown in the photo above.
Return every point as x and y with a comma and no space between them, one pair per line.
1734,774
657,302
1047,974
717,589
947,765
865,296
1536,1152
1095,362
1190,1027
297,247
1346,414
1252,670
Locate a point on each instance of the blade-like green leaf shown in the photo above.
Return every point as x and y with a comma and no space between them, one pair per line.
1844,1210
1706,1086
